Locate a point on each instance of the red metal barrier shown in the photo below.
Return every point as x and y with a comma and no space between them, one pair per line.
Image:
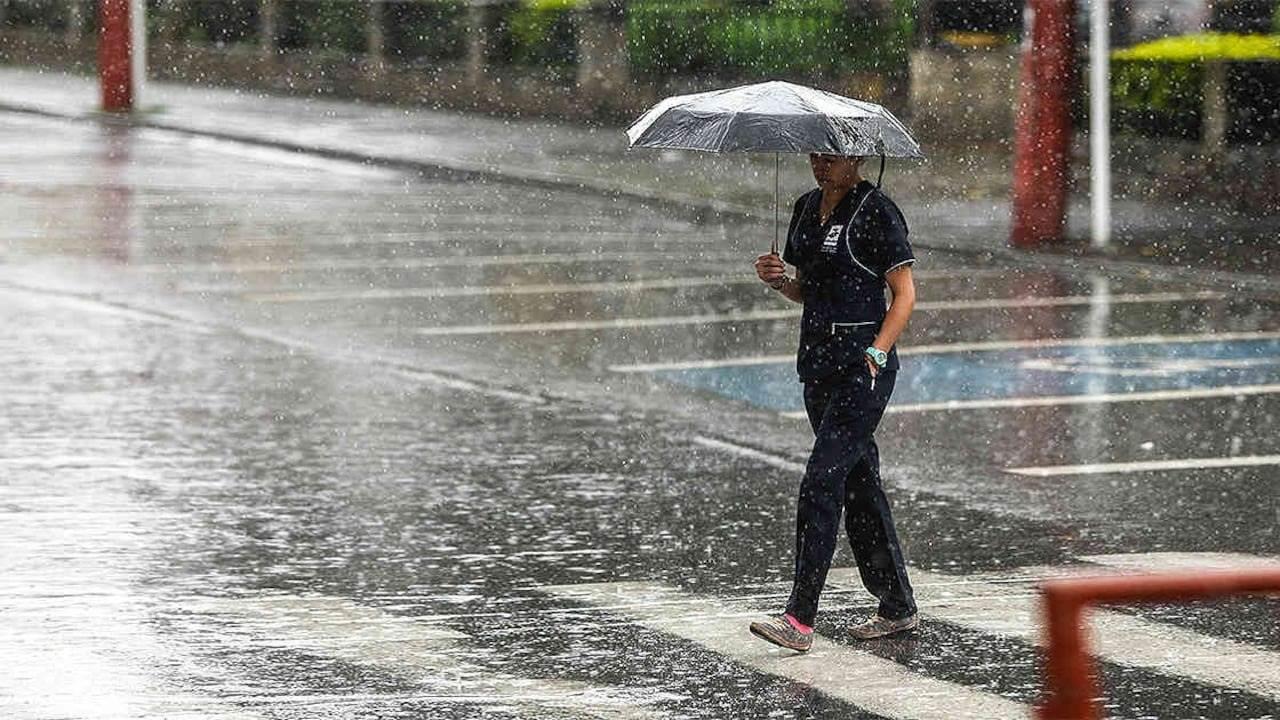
1068,673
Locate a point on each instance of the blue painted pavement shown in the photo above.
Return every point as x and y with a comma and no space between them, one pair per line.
1038,372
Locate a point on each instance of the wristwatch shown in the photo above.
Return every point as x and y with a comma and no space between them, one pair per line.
878,356
782,282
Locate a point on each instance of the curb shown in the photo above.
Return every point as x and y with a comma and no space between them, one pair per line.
699,208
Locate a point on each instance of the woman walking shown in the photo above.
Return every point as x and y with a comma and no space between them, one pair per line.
847,241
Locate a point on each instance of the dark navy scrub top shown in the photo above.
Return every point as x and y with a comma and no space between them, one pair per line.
843,264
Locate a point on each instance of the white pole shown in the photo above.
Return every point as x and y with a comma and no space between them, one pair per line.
1100,120
137,48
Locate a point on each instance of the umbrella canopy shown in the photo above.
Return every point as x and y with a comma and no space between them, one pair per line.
773,117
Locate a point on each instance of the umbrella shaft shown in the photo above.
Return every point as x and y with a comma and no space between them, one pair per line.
777,163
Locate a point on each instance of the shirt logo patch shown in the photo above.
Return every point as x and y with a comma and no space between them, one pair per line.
833,237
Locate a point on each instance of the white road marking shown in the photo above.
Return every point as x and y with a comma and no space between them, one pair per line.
1148,366
99,307
339,628
1146,466
708,319
433,378
616,323
1012,610
741,451
964,347
1067,300
665,283
496,290
1177,561
1054,400
412,263
848,673
1009,607
430,237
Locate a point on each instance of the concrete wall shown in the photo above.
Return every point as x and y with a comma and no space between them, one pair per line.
964,93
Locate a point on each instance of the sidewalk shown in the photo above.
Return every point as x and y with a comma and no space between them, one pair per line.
957,201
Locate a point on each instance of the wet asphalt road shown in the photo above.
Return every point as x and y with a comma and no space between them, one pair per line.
288,437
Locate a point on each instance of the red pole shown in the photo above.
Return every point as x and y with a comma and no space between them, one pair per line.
114,56
1042,133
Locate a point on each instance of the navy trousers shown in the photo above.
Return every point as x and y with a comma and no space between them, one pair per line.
844,474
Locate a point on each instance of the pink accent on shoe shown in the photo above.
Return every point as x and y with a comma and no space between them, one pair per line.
797,624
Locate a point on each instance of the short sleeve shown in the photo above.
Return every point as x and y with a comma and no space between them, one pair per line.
790,254
895,249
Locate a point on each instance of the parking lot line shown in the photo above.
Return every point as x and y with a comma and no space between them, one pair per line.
1055,400
780,314
1191,561
412,263
647,285
1100,398
668,283
1145,466
960,347
851,674
615,323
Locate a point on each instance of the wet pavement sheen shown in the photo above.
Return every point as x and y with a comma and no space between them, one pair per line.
287,437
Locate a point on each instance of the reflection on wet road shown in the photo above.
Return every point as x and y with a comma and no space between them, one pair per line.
287,437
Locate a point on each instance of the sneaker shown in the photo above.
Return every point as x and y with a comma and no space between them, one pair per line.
780,632
876,627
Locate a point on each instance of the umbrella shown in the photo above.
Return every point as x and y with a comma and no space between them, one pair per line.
773,117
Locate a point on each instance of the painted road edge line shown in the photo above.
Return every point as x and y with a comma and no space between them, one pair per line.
855,676
751,453
1146,466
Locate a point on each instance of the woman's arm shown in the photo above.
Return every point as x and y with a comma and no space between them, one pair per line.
895,321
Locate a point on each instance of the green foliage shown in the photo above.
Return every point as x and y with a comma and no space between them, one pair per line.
333,25
1157,87
426,32
1162,87
542,35
786,37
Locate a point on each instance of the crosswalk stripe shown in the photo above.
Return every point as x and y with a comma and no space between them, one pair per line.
847,673
342,629
1011,609
1175,561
